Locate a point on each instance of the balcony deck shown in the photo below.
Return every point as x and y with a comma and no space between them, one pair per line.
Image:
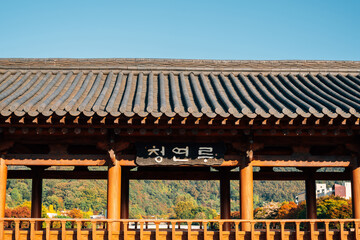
106,229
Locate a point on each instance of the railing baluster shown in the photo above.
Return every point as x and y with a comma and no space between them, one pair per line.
2,229
189,230
268,230
341,230
32,230
220,230
297,226
78,229
96,226
327,233
63,230
205,231
312,230
173,230
252,227
93,228
282,229
157,231
125,224
141,230
110,226
47,230
17,229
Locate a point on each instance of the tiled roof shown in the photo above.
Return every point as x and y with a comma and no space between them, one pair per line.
182,88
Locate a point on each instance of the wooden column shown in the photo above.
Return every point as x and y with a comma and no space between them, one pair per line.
355,184
36,195
114,193
225,208
3,179
246,194
125,193
310,185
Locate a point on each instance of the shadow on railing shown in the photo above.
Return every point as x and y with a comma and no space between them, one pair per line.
143,229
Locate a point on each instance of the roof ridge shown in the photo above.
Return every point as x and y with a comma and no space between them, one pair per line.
159,64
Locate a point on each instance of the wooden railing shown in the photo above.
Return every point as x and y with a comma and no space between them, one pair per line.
134,229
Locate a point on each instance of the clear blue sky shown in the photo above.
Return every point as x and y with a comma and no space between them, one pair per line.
327,29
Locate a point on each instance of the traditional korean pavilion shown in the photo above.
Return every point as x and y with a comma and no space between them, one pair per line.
179,120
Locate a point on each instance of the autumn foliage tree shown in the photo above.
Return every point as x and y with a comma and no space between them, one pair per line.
288,210
331,207
268,211
75,213
18,212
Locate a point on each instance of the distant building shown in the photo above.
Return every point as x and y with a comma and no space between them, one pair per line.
343,191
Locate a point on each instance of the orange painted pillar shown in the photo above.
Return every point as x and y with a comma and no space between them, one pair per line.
3,179
246,194
355,184
225,208
114,193
36,196
310,188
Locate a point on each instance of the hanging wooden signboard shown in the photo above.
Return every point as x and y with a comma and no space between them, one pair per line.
171,154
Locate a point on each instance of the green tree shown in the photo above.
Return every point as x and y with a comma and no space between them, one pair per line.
184,207
16,196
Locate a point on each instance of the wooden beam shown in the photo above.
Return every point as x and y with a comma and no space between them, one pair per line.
178,175
301,161
50,174
271,161
55,160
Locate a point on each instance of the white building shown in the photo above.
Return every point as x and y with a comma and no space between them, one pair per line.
321,191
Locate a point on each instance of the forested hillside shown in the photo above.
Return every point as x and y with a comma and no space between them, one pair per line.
147,198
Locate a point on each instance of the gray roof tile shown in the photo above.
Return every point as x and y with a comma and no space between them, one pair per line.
269,89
